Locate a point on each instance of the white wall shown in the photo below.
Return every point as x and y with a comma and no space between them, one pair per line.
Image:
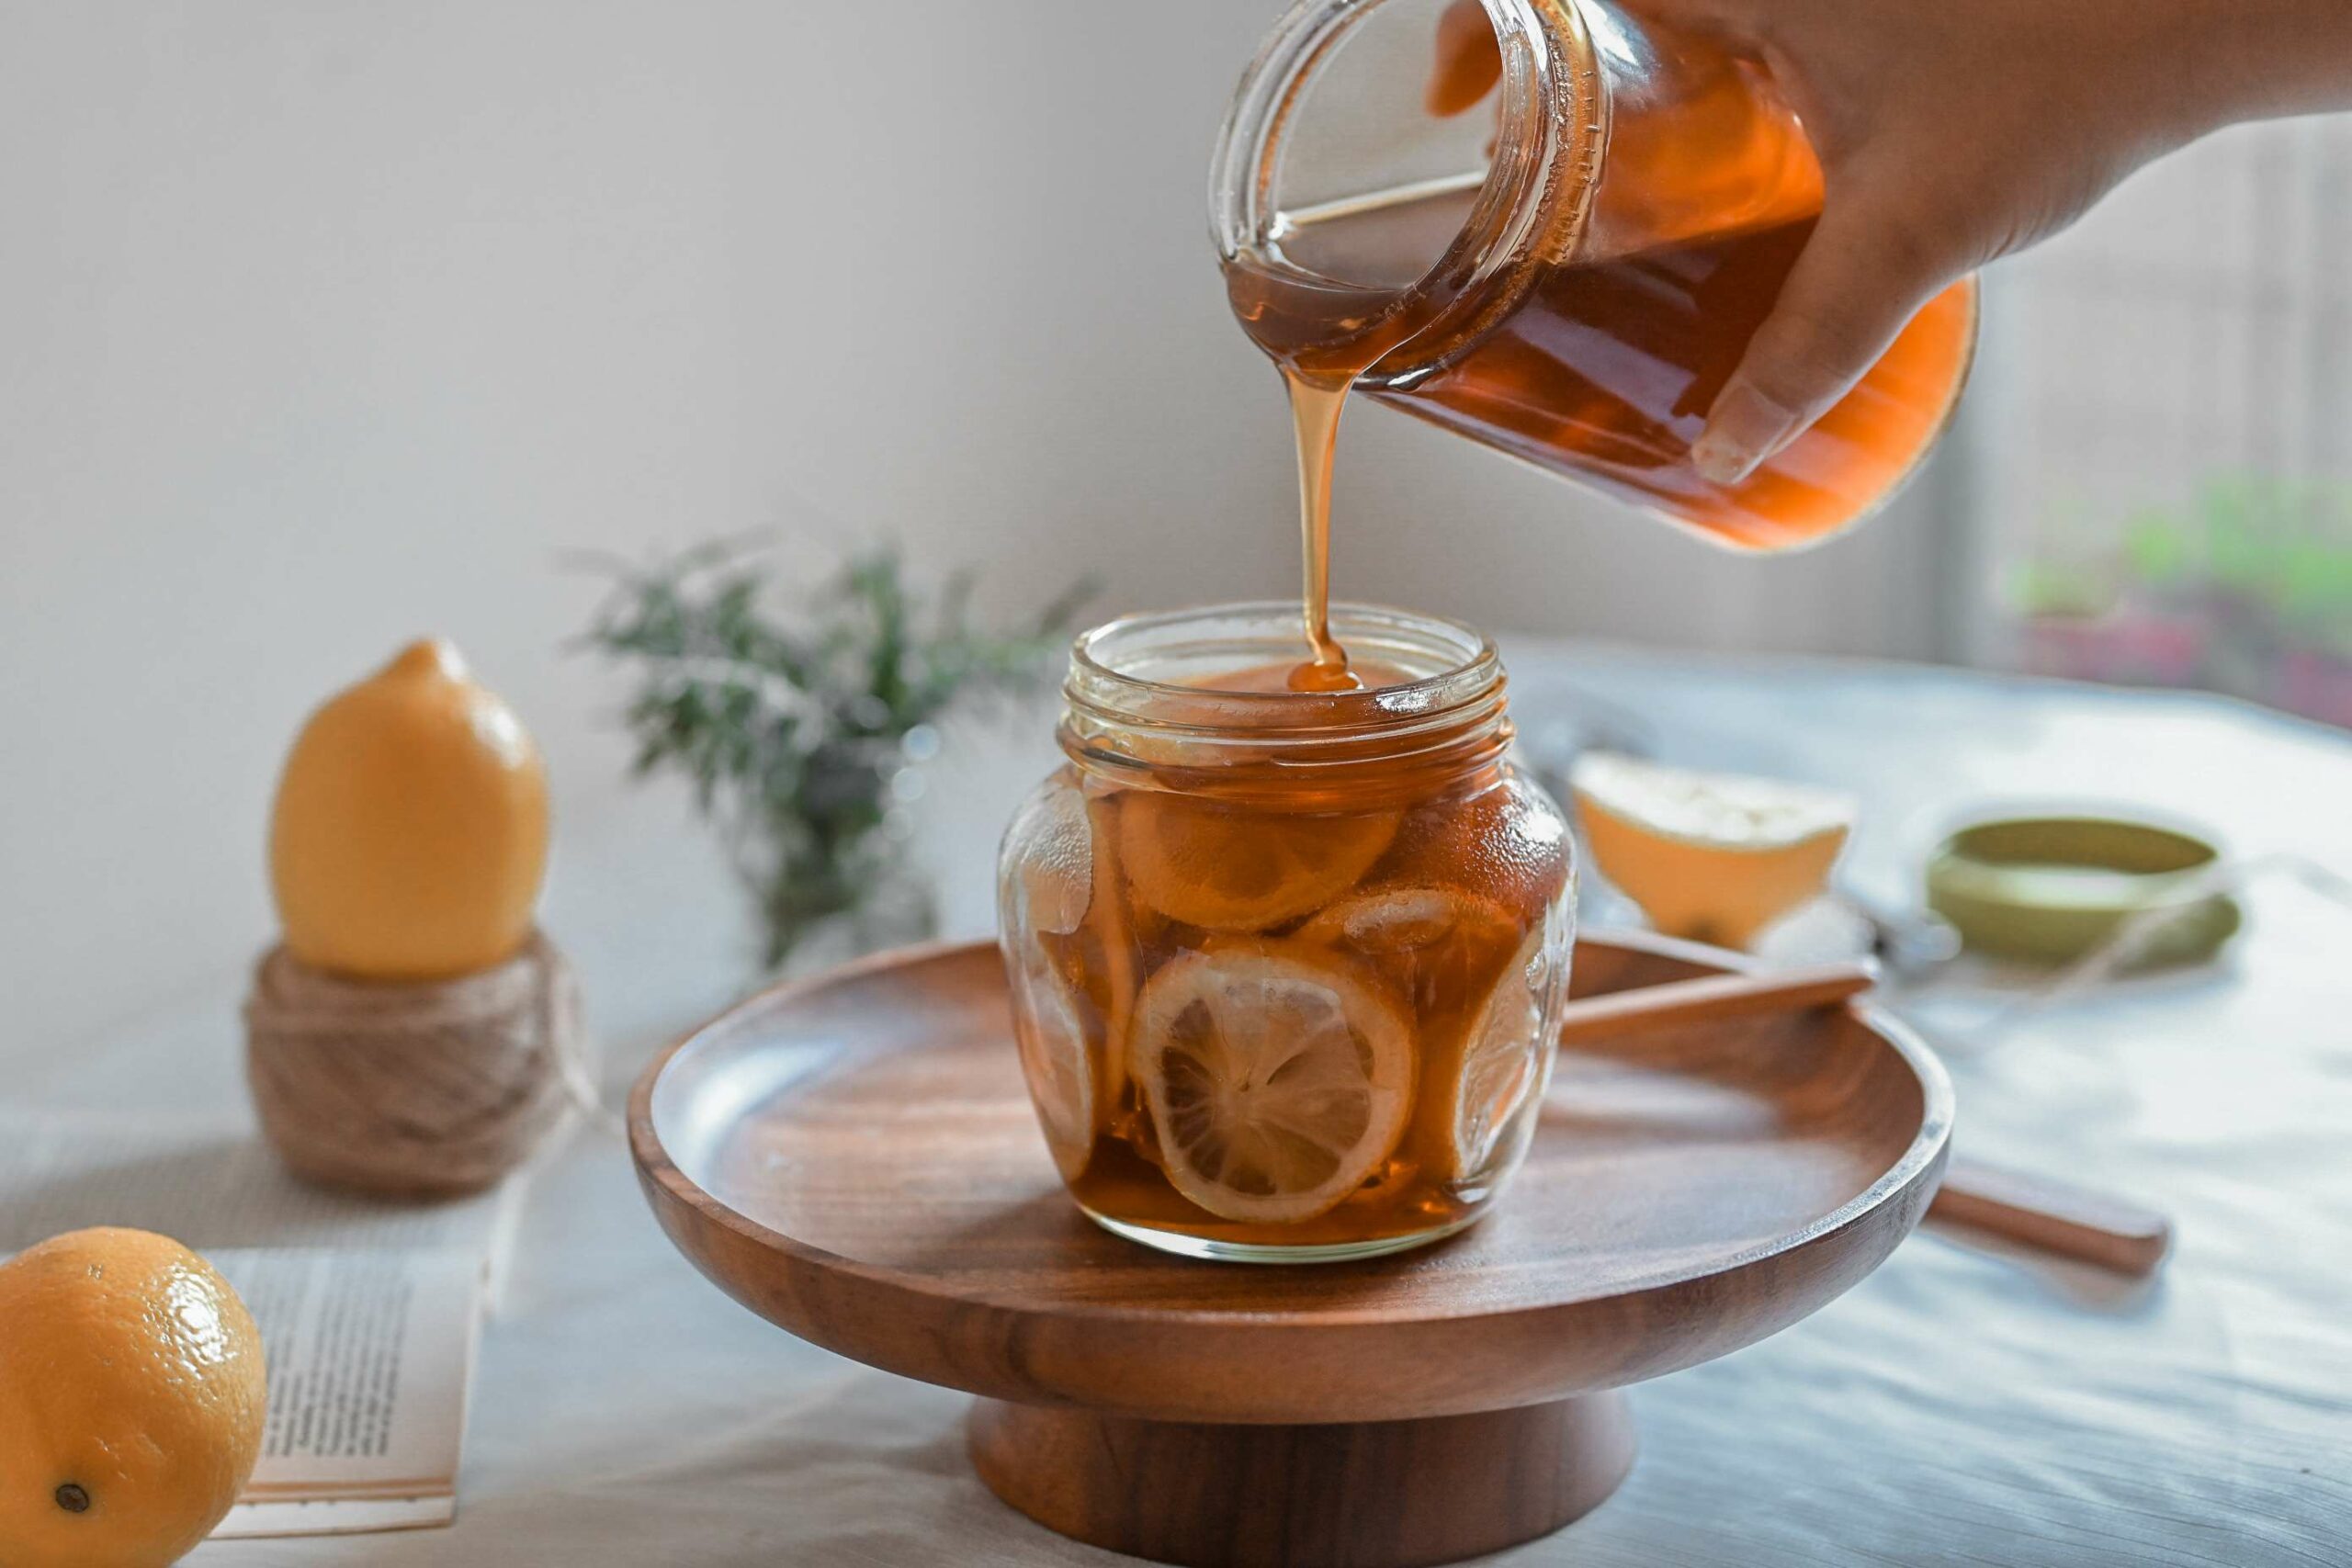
326,323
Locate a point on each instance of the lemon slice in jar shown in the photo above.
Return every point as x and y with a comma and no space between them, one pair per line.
1415,923
1235,869
1054,874
1277,1079
1438,947
1504,1057
1397,919
1048,1023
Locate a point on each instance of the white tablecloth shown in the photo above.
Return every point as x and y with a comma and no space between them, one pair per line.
1959,1406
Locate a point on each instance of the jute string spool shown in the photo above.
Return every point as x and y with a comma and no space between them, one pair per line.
413,1088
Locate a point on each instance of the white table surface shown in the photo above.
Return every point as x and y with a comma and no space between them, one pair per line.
1959,1406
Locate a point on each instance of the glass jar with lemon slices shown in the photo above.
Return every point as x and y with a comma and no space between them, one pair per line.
1286,967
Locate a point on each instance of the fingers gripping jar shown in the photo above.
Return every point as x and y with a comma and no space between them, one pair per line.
1286,968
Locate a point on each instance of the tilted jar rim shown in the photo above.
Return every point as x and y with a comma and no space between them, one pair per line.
1551,135
1459,703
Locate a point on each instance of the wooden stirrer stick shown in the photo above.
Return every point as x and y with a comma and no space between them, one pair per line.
2059,1218
1709,998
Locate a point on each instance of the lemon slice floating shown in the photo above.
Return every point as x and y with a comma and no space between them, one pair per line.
1236,870
1505,1057
1279,1080
1049,1022
1055,873
1393,920
1439,947
1715,857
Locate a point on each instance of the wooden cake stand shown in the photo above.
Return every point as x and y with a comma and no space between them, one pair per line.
854,1159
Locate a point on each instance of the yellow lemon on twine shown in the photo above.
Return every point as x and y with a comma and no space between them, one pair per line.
410,830
132,1397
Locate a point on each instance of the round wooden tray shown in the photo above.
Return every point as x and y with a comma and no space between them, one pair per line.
854,1159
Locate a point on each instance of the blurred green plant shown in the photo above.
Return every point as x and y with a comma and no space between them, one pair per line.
2261,559
792,717
2245,588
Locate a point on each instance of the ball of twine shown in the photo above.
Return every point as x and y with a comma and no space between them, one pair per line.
413,1088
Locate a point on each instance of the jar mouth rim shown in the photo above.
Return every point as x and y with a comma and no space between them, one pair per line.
1468,670
1536,190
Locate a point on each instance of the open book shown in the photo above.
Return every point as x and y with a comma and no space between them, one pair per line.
369,1311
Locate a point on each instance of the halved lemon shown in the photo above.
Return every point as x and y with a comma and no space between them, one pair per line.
1049,1024
1716,857
1235,869
1277,1078
1505,1057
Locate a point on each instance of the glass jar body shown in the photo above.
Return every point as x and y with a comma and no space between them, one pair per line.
1276,1008
1571,275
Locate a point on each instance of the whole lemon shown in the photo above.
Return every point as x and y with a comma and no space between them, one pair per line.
132,1395
410,830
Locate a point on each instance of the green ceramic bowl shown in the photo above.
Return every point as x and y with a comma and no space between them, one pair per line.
2050,889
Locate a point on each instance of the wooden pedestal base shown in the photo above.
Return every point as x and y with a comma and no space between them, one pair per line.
856,1158
1368,1494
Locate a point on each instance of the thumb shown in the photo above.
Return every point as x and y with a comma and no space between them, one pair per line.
1861,278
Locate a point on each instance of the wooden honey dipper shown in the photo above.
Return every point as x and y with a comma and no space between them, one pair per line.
2033,1211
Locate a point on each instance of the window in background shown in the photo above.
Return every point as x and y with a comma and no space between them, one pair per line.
2165,443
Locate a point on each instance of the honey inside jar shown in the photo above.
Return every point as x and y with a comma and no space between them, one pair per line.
1291,992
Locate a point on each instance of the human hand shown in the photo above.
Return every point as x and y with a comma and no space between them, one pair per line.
1952,132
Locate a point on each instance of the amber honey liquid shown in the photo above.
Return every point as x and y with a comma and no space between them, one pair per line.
1315,402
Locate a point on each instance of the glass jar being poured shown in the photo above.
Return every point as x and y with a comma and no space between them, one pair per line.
1552,228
